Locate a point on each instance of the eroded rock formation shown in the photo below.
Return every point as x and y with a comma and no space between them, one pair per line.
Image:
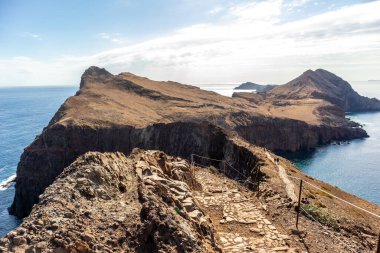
112,203
120,112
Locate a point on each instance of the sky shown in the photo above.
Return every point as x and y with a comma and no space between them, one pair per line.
52,42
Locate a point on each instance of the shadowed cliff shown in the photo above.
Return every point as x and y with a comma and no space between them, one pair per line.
120,112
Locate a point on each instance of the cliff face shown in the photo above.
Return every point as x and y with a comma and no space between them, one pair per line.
292,135
321,84
152,202
120,112
112,203
59,146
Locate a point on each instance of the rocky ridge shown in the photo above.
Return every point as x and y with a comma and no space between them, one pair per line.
106,202
120,112
152,202
322,84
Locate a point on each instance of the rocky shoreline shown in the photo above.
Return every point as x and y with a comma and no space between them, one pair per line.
120,112
73,197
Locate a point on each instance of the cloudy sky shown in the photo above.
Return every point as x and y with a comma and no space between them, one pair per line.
51,42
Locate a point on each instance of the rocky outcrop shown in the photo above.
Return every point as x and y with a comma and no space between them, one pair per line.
120,112
293,135
255,86
106,202
59,146
324,85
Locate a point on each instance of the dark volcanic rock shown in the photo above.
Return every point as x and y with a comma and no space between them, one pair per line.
106,202
294,135
120,112
59,146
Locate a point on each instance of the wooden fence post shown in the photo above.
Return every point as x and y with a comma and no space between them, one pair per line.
258,181
378,245
299,204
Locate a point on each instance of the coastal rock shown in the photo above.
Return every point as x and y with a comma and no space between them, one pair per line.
322,84
120,112
141,216
253,86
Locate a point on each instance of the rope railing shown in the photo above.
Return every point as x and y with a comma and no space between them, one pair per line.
217,160
321,225
248,179
307,214
330,194
244,179
345,201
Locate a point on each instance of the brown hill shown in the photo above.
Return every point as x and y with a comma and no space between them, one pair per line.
321,84
120,112
152,202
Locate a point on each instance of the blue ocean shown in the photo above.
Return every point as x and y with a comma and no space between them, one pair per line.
352,166
24,111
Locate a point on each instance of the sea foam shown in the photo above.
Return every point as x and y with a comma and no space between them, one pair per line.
7,183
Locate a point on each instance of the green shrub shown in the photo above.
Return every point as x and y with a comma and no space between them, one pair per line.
320,215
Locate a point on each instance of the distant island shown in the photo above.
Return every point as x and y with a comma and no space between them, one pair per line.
255,86
374,80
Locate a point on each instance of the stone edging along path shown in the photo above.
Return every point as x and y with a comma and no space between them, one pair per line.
289,186
235,212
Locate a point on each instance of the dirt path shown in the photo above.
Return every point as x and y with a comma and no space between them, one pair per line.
237,216
289,186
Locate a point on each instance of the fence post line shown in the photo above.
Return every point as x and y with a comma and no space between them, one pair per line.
258,181
378,244
299,204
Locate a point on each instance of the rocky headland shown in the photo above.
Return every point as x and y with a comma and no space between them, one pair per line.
254,86
317,97
120,112
324,85
114,114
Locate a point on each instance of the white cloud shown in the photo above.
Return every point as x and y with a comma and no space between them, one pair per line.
115,37
241,47
291,4
216,10
31,35
265,11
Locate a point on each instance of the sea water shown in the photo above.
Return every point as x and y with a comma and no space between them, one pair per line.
352,166
24,111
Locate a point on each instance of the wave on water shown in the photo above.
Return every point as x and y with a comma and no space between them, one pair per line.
7,183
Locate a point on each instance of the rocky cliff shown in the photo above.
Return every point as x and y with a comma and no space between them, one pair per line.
321,84
120,112
112,203
151,202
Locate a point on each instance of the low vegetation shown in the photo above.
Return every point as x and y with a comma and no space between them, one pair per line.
319,215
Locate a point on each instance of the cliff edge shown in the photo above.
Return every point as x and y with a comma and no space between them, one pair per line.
113,203
120,112
152,202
